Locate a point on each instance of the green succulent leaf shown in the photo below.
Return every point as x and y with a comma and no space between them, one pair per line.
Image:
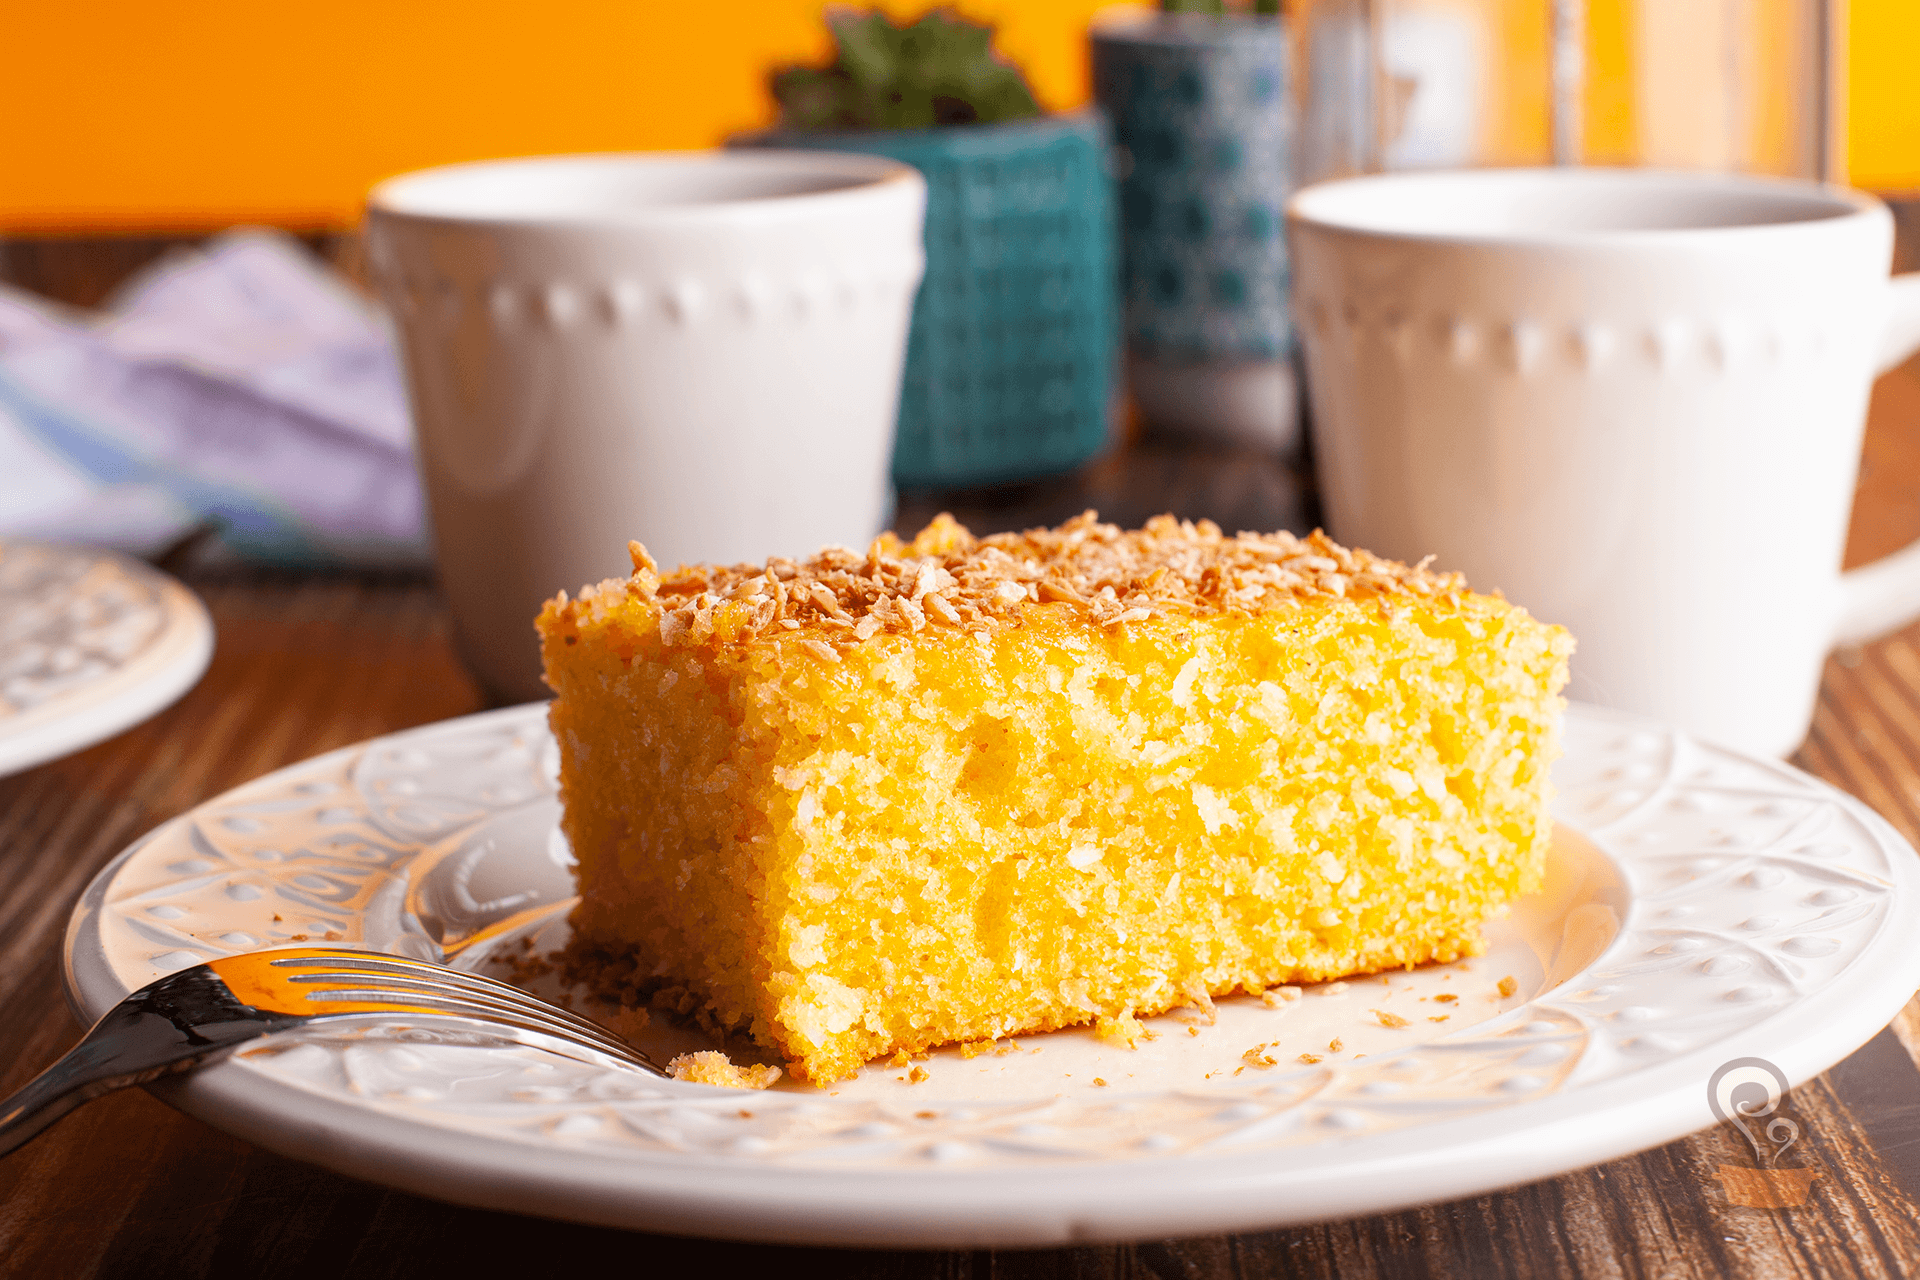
938,69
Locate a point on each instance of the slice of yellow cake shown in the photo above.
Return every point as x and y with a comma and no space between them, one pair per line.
960,788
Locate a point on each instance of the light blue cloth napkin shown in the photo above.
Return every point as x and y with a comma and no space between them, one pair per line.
242,385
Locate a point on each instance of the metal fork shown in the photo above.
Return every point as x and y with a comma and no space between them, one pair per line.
201,1014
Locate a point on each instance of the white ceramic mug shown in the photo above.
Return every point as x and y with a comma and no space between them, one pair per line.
701,350
1631,400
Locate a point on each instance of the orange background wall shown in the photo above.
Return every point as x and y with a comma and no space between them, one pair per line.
1883,120
200,113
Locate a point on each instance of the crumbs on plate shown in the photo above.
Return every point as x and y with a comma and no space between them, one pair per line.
710,1066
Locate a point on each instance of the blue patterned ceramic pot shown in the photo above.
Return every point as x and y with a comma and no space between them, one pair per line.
1203,123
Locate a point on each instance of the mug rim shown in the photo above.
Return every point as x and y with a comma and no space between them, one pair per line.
1829,205
436,194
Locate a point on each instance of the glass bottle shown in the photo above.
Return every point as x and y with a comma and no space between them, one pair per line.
1737,85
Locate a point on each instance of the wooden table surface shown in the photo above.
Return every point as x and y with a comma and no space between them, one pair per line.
306,663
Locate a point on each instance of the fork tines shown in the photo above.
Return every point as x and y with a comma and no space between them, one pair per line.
395,981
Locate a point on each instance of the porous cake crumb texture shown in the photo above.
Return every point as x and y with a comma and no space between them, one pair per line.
958,789
713,1067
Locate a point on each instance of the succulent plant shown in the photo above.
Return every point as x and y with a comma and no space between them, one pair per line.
937,70
1262,8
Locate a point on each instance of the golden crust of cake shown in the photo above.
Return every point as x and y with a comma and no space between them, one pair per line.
946,577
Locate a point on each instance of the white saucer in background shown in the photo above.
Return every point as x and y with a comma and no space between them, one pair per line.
91,642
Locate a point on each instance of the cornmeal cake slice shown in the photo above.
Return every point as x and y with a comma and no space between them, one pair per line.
966,787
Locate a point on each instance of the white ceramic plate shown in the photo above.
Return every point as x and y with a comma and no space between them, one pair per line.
91,643
1701,906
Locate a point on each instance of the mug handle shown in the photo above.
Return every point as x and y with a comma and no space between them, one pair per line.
1885,595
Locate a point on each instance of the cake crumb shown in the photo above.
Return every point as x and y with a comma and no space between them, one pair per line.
1334,989
899,1059
974,1048
1102,1083
1198,997
1445,997
627,1023
713,1067
1122,1029
1507,986
918,1075
1274,997
1259,1055
1309,1058
529,965
334,935
1335,1045
1388,1019
1192,1030
1438,1018
926,1115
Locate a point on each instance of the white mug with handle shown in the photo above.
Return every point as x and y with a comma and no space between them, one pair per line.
1631,400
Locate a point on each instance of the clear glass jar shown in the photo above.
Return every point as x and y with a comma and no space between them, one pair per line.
1737,85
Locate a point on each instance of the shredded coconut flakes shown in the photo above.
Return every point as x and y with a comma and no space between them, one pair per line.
947,578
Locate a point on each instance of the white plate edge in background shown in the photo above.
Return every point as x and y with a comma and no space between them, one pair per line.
161,672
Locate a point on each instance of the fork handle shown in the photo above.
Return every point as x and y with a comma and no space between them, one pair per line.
63,1087
129,1046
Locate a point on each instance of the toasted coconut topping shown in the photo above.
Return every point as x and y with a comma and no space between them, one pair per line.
947,578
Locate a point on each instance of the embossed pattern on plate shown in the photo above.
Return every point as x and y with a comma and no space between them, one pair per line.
1698,900
91,642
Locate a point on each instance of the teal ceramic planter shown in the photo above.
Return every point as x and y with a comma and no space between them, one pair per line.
1200,107
1202,118
1012,354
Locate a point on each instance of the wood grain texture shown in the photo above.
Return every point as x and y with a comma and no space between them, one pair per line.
85,272
1237,488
